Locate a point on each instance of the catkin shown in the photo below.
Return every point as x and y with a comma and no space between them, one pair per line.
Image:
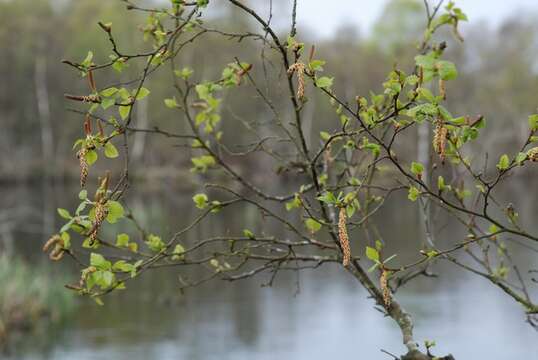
439,140
384,284
442,89
81,154
57,245
299,68
344,239
100,215
533,154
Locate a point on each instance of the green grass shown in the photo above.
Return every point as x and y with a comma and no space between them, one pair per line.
29,294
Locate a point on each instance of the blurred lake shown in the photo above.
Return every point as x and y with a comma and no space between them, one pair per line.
317,314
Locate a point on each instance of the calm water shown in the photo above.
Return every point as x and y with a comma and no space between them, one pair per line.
319,314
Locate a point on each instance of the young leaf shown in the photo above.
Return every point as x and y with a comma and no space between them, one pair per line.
533,122
124,111
122,240
413,193
91,157
417,168
170,103
110,150
504,162
200,200
324,82
142,93
64,213
312,225
372,254
115,211
447,70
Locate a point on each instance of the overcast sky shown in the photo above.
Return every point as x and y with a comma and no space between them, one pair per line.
324,16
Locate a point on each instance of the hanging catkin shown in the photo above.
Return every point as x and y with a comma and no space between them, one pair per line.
439,139
299,68
344,239
384,284
81,154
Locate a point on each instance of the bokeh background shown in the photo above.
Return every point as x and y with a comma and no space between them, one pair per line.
312,316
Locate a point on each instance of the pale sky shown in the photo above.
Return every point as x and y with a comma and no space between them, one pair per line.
324,16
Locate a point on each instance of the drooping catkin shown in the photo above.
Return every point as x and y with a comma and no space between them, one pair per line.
57,244
533,154
299,68
384,284
81,154
439,139
101,213
51,242
344,238
442,89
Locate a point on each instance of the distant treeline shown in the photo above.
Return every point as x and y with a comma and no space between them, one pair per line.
497,67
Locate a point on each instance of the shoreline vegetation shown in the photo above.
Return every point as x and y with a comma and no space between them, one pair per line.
31,296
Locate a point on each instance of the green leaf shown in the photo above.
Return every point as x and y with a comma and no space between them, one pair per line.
425,94
202,163
91,157
99,261
87,62
324,82
124,93
64,213
312,225
200,200
106,103
441,183
372,254
447,70
327,197
110,150
316,65
122,240
170,103
124,111
248,234
109,92
520,158
293,204
83,194
133,246
142,93
178,252
184,73
417,168
115,211
325,136
123,266
155,243
413,193
533,122
504,162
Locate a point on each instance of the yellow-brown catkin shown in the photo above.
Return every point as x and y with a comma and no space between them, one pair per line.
533,154
439,139
299,68
100,215
344,239
57,245
442,89
384,284
85,274
51,242
81,154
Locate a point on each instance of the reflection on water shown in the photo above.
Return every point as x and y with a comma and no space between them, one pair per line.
316,315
